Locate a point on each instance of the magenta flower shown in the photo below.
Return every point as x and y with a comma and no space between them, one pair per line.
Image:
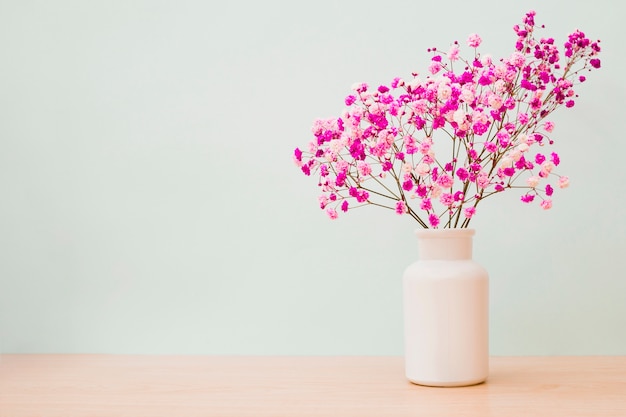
400,207
469,212
539,158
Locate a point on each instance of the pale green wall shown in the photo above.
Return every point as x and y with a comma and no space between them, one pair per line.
148,203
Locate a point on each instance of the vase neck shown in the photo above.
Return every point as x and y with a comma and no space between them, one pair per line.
444,244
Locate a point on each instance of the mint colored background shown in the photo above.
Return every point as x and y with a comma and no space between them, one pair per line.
149,204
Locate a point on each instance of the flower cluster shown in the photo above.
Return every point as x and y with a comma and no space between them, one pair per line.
490,118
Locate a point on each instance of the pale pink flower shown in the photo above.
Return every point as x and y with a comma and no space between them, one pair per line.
532,181
467,93
445,181
563,182
548,126
446,199
425,146
359,87
546,204
499,86
453,53
474,40
459,116
482,180
444,91
495,101
517,59
547,167
434,67
422,169
364,168
332,213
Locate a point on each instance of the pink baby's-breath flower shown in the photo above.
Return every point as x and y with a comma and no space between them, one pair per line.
469,212
462,174
522,118
453,53
564,182
434,67
397,82
548,126
426,204
400,207
323,200
491,147
332,213
433,220
445,181
446,199
360,87
540,158
364,168
474,40
546,204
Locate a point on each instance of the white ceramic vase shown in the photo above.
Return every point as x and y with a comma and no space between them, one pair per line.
446,311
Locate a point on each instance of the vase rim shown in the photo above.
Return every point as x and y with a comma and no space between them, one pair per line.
445,233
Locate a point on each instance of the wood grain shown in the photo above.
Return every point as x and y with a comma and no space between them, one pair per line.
188,386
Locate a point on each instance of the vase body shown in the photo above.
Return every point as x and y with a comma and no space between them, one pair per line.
446,311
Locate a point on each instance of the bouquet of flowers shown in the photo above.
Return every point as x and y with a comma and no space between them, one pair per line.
435,147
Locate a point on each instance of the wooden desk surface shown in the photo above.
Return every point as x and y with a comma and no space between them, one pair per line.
188,386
